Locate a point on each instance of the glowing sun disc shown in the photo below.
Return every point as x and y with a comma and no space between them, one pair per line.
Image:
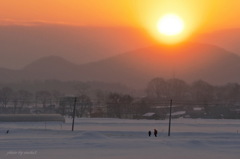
170,25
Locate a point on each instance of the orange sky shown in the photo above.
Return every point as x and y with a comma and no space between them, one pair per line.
204,15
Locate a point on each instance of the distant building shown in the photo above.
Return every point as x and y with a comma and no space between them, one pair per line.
178,114
196,112
150,115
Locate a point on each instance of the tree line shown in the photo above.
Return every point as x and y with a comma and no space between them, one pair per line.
217,101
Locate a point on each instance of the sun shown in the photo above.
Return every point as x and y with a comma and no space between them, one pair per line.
170,25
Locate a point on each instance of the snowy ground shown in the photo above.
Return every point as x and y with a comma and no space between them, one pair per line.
121,139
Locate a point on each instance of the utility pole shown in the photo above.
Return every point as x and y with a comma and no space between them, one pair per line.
170,118
74,112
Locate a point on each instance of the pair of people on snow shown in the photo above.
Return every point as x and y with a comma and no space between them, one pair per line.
155,132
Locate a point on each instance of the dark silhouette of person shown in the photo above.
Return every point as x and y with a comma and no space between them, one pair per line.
7,131
155,132
149,133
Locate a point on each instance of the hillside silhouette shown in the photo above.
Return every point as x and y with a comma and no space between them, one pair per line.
227,39
21,45
190,62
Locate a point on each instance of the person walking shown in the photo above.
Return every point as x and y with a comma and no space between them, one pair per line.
155,132
149,133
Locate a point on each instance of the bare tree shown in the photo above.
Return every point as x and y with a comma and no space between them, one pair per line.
15,100
202,91
44,97
56,95
113,105
126,104
84,104
177,89
157,88
118,105
25,98
66,105
100,97
232,92
5,96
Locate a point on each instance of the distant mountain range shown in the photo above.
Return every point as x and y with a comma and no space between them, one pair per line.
192,61
20,45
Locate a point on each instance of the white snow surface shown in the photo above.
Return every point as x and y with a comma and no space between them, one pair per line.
121,139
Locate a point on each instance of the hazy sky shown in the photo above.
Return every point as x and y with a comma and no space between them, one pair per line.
214,14
198,15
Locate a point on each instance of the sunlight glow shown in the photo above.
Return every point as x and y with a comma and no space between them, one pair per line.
185,22
170,25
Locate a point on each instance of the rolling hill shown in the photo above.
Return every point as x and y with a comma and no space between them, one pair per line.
189,62
227,39
192,61
20,45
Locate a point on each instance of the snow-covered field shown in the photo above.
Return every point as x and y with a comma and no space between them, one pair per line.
121,139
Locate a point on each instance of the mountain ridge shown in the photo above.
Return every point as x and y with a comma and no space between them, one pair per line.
191,61
20,45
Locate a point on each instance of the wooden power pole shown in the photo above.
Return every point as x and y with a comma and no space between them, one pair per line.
170,118
74,112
